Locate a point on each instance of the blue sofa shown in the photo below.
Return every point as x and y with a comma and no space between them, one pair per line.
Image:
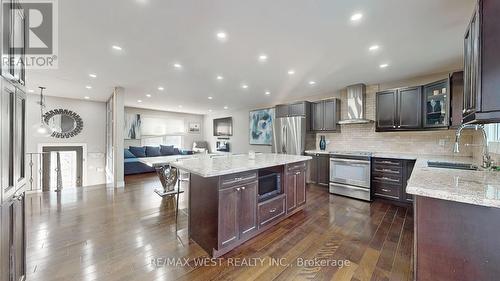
132,155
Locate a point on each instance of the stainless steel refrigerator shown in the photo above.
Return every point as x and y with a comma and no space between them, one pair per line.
289,135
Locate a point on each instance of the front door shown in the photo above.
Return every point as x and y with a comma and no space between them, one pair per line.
62,167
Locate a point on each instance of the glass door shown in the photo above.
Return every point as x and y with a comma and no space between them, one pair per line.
436,104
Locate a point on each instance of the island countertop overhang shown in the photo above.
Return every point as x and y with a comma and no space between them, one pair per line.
230,164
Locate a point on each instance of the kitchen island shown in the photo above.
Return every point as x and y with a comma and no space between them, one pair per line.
226,205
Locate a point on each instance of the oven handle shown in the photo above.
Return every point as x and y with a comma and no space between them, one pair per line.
350,186
349,161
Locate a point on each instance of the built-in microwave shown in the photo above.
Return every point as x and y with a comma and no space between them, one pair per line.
269,185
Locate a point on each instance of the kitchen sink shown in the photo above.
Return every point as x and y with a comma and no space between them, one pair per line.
451,165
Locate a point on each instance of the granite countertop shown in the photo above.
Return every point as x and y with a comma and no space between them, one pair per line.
481,188
206,166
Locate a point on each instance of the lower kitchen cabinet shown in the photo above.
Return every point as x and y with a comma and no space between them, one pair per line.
319,169
237,213
295,187
13,239
390,177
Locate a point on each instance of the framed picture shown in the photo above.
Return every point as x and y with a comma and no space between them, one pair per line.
132,126
194,127
261,126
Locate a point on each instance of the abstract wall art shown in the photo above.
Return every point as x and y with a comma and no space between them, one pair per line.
261,126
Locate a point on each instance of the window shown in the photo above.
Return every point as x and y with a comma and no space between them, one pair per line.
176,141
493,132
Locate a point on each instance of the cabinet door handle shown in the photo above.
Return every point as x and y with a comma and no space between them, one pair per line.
386,178
272,210
297,173
385,190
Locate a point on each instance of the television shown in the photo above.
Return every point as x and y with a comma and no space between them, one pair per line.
223,127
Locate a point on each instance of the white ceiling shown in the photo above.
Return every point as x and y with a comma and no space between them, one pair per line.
315,37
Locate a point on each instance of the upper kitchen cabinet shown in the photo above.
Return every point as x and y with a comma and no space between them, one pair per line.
456,98
325,115
436,104
399,109
481,64
386,110
13,44
295,109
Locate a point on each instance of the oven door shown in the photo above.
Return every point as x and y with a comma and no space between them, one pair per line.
350,171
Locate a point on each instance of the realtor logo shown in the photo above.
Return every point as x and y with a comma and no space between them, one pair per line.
36,22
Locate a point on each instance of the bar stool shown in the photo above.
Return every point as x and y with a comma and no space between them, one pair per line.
169,178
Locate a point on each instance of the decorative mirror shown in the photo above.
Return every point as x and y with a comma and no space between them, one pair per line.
63,123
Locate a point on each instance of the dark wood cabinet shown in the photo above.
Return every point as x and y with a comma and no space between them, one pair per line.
295,188
481,64
399,109
248,209
436,104
319,169
237,213
410,108
386,110
295,109
228,216
456,99
325,115
390,177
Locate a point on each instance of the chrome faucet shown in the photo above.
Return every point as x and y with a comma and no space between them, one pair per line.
486,155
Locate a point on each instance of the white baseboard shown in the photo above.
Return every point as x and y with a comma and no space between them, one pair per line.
117,185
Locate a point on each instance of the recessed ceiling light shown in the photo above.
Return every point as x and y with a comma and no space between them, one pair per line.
209,110
116,47
219,77
88,87
139,101
267,93
180,106
225,107
177,65
148,95
312,83
31,91
262,58
244,86
92,75
291,72
384,65
356,16
86,97
374,48
161,88
210,98
221,36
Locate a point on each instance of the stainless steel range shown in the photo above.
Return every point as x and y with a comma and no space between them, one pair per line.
350,174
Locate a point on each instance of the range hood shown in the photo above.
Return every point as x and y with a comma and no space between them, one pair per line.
356,99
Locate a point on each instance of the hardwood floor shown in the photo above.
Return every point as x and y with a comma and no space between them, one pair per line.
95,233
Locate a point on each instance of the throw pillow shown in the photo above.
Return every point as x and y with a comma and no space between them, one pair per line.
167,150
128,154
138,151
152,151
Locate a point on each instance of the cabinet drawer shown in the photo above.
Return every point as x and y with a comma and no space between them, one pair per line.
387,190
387,178
237,179
389,170
296,167
387,162
271,210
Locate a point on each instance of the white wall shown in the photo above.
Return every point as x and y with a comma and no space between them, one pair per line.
93,115
188,138
240,141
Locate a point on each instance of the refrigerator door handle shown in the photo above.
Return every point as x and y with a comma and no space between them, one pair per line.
284,140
